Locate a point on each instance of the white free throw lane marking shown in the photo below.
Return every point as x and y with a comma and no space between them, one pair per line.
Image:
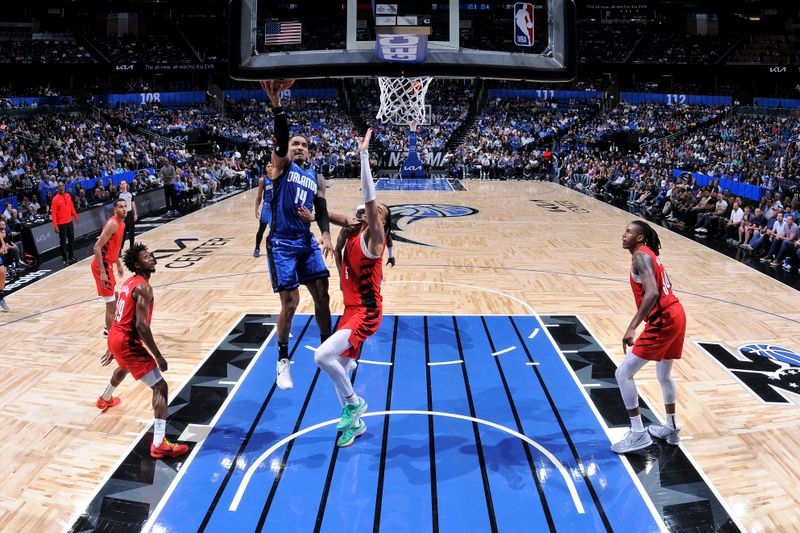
368,362
307,347
501,352
446,362
263,457
533,334
589,385
532,364
249,349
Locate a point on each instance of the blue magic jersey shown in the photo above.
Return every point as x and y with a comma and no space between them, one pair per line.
295,188
266,208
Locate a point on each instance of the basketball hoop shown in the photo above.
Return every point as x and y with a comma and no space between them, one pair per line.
403,100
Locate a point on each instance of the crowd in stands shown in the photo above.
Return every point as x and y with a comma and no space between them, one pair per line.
161,47
608,41
654,119
683,48
731,149
328,128
768,49
7,91
44,49
509,137
163,120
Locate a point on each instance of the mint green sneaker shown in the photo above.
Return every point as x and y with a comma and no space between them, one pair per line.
349,436
350,414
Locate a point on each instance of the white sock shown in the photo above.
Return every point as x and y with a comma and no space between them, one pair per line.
108,392
671,421
636,423
159,428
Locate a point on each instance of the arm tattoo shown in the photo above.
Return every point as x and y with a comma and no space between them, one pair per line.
643,265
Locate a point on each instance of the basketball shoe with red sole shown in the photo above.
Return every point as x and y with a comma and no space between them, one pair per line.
103,405
167,449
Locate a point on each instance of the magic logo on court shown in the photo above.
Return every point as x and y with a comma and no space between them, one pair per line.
770,372
406,214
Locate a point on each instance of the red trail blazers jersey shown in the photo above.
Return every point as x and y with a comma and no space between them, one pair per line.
125,317
665,295
361,275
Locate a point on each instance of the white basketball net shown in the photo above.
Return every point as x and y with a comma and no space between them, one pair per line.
403,100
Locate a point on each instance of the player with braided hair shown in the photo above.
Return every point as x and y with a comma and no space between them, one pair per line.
129,334
661,341
361,245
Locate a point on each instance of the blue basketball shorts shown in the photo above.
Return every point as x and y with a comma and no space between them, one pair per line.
294,261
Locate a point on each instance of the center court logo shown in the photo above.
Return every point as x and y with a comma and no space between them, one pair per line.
190,257
770,372
406,214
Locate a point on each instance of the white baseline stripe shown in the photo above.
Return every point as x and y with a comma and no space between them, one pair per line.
501,352
533,334
368,362
446,362
532,364
263,457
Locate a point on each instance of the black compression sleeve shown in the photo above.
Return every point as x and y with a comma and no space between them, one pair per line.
281,132
322,218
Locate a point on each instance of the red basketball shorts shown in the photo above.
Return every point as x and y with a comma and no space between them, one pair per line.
109,268
362,322
130,354
663,335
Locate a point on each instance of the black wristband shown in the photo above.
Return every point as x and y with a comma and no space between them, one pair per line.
321,216
281,132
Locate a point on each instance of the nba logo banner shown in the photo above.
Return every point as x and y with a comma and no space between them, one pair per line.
523,24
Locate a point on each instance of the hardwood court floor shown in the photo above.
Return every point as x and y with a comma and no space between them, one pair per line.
529,244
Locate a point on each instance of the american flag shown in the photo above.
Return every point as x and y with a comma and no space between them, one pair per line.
278,32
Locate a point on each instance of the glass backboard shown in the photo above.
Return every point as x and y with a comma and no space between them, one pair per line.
304,39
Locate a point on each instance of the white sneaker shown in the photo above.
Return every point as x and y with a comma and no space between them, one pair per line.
4,306
284,380
672,436
634,440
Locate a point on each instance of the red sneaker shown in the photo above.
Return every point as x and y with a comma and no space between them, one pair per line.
167,449
103,405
